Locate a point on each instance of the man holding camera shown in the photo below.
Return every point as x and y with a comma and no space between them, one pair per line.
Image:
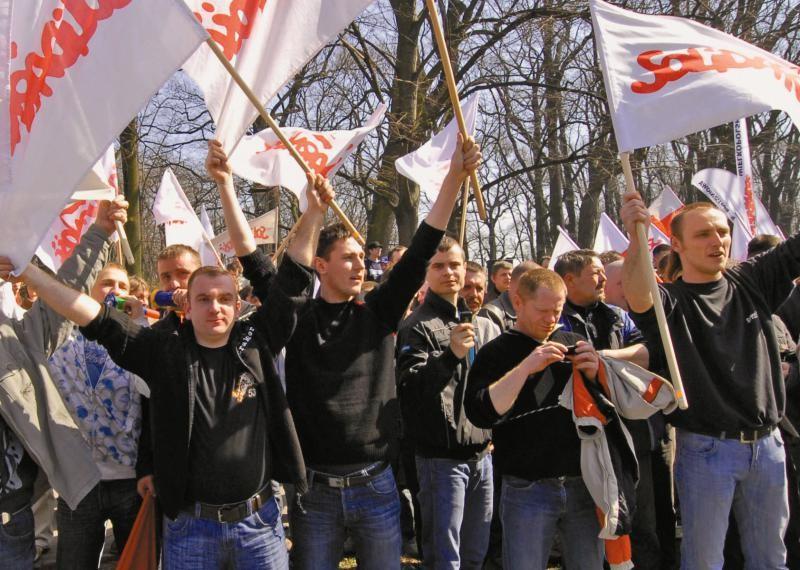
436,345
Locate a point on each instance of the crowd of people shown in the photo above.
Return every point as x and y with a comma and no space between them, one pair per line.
486,419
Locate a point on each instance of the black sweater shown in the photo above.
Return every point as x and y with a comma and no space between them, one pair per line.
538,446
725,342
340,377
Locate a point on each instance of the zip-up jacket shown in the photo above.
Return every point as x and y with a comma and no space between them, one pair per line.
431,381
501,312
169,363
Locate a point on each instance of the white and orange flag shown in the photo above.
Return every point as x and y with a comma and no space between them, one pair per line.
75,218
609,237
72,75
264,228
264,159
267,41
663,209
667,77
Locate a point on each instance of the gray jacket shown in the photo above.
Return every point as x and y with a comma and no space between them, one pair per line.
29,402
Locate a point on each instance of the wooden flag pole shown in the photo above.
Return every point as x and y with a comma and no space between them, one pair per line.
277,130
661,317
452,89
462,234
210,244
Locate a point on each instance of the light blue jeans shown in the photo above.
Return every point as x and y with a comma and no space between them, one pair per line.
455,499
712,475
255,542
370,511
533,511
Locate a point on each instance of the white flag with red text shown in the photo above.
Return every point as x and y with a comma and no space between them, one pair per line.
428,165
609,237
172,208
264,159
663,209
67,229
267,42
264,229
72,75
564,244
667,77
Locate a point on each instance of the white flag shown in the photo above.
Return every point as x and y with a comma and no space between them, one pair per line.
76,217
563,245
668,77
264,228
72,75
172,208
207,255
609,237
428,165
656,237
663,209
262,157
267,41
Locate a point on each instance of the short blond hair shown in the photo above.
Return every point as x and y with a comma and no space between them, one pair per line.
534,279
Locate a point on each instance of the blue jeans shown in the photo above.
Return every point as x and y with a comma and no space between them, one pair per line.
82,532
371,512
532,512
712,475
455,499
255,542
16,541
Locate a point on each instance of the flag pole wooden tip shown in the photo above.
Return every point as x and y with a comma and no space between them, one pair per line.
661,317
452,89
254,100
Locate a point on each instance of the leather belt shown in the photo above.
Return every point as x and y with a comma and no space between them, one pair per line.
358,478
744,436
233,512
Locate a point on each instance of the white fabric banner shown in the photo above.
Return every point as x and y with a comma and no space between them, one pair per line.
207,255
73,75
563,244
663,209
265,229
267,41
667,77
609,237
262,157
428,165
74,220
172,208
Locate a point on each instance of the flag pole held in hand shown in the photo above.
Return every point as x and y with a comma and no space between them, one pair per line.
661,317
277,130
452,89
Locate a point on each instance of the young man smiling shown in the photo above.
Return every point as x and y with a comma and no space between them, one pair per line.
730,452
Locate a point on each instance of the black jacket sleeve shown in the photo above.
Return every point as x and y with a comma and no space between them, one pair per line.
259,270
390,299
423,370
477,403
774,271
144,454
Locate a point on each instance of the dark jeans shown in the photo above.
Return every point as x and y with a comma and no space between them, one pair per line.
644,538
82,533
16,541
369,511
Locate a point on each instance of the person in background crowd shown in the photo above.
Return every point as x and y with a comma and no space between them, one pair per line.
730,454
26,296
372,262
36,430
395,254
610,256
500,279
344,397
514,387
140,289
613,292
501,310
104,401
435,347
661,251
474,288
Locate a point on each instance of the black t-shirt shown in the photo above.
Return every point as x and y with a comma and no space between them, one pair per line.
229,459
533,446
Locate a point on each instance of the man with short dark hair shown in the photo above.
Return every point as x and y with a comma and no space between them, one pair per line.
501,310
514,387
474,288
499,279
372,261
340,383
435,347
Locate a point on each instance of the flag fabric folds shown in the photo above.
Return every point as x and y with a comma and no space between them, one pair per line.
264,228
667,77
267,42
73,75
264,159
172,208
609,237
663,209
564,244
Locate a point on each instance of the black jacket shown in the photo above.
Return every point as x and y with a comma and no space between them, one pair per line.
169,363
501,312
431,380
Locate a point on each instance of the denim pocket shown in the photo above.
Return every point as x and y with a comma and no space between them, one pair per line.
517,484
19,527
702,445
179,525
384,483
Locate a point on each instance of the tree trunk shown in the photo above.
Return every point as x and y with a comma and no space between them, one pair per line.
129,146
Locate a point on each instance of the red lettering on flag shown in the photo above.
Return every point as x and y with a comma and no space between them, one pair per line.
750,204
74,218
61,47
672,66
235,24
312,152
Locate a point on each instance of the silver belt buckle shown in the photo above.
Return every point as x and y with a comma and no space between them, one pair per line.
743,437
6,517
338,482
